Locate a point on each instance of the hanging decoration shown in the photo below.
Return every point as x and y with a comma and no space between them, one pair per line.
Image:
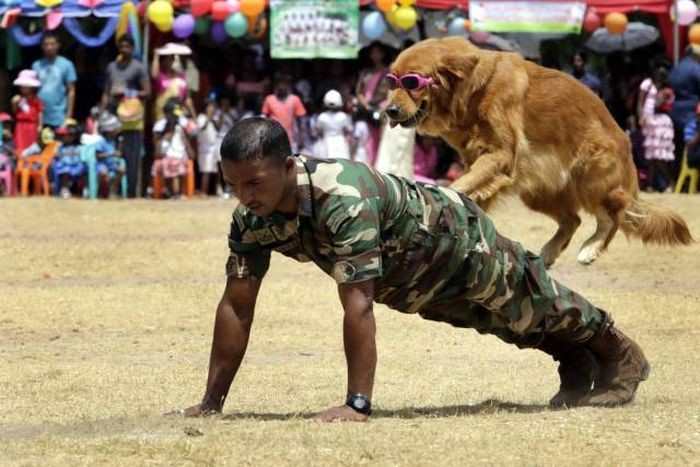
386,5
407,2
10,18
405,17
234,6
183,26
591,21
694,34
53,19
258,28
456,27
73,26
161,14
24,39
129,24
236,25
687,12
91,4
218,32
220,10
615,23
199,8
252,7
373,25
48,3
201,26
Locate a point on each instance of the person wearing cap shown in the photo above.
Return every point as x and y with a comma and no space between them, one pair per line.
126,75
57,77
110,164
28,109
286,108
333,127
170,79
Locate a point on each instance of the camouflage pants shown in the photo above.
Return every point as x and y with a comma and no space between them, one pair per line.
504,289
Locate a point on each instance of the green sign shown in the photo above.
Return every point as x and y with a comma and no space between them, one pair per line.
314,28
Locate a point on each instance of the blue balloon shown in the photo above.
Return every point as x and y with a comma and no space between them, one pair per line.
236,25
456,27
373,25
218,32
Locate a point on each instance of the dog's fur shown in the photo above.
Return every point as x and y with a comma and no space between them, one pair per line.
524,129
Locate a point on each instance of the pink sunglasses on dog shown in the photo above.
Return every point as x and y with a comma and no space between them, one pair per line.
409,81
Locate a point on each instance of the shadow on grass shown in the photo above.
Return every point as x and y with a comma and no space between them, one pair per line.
486,407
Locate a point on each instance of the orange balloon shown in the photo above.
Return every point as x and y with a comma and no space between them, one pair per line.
615,23
467,25
385,5
252,7
694,34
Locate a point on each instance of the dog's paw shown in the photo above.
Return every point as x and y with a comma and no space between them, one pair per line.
588,254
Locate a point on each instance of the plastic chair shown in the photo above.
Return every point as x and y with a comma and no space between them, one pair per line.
687,172
189,182
40,176
6,175
88,155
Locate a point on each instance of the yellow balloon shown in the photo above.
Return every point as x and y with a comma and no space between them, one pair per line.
160,11
407,2
164,26
390,15
405,17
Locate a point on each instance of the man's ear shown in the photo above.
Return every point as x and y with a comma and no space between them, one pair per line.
289,164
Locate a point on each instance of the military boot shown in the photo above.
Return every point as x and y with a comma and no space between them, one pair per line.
577,370
622,364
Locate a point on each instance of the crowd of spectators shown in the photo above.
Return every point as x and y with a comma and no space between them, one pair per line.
166,120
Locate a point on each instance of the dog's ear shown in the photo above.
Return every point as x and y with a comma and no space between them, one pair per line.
455,67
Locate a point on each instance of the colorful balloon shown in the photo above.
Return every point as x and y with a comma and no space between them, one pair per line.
407,2
591,22
687,12
694,34
165,26
373,25
385,5
220,11
252,7
234,6
456,27
236,25
406,17
479,37
199,8
161,12
183,26
218,32
201,26
615,23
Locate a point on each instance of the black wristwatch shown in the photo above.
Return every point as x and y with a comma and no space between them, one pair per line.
359,403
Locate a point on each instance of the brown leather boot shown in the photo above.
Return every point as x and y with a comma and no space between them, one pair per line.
622,363
577,370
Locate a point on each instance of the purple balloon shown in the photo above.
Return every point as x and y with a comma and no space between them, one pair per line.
183,26
218,32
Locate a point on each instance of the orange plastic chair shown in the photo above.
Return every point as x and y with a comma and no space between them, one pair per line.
26,170
189,182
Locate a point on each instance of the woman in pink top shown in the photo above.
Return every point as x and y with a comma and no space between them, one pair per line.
170,79
371,93
425,159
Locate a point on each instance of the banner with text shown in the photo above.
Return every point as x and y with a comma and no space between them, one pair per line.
314,28
525,16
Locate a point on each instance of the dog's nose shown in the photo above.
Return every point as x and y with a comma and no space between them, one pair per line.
392,111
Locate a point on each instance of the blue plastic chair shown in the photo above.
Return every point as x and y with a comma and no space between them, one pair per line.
88,154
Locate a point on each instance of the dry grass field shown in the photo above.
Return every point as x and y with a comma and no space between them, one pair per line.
106,313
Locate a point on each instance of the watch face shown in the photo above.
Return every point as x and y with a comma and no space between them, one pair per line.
359,403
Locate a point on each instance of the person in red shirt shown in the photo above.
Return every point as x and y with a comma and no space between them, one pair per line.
287,109
28,109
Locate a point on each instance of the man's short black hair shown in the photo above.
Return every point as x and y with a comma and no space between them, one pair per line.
255,139
126,38
50,35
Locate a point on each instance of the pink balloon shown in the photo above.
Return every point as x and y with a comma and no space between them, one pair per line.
479,37
591,22
687,12
234,6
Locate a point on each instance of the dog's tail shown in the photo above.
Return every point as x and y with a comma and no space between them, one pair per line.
651,223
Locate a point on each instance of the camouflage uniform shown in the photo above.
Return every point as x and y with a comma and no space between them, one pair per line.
430,250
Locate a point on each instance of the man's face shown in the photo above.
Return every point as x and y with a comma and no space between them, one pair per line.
260,185
50,47
126,50
578,63
282,87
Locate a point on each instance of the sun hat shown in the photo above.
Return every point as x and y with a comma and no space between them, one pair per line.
173,48
333,99
109,122
27,78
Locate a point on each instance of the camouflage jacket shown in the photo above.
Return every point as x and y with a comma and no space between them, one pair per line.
358,224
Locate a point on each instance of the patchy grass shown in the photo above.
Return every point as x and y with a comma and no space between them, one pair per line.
105,324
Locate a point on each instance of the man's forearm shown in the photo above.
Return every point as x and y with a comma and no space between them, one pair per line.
231,333
359,332
71,102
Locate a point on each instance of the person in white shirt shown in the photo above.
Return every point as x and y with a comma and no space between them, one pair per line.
173,147
333,127
208,144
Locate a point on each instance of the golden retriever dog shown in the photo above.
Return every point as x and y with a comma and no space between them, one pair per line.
532,131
